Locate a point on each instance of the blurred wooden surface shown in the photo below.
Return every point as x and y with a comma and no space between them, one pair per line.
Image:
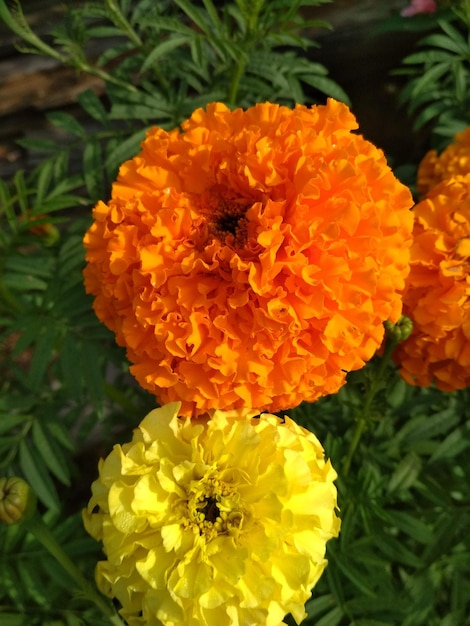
358,60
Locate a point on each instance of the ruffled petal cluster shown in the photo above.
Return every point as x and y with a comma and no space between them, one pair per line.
454,160
250,259
214,521
437,297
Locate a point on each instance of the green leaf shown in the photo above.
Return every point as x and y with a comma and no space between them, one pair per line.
429,78
39,145
66,122
44,179
36,474
50,454
397,552
193,13
92,373
319,605
333,618
13,619
93,106
9,422
405,474
162,49
33,585
447,43
44,350
327,86
93,171
454,444
357,577
428,57
22,191
428,426
69,357
411,525
57,430
460,80
125,150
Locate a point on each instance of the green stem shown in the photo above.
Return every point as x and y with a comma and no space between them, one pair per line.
256,7
364,417
42,533
239,71
84,66
121,22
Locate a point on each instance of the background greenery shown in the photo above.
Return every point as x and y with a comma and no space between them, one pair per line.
403,555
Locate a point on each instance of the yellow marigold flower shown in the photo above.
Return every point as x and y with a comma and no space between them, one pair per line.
251,259
437,298
213,521
454,160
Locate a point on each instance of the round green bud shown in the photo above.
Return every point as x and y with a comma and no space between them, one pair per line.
17,500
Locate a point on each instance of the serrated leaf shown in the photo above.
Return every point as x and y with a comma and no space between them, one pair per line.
162,49
317,606
39,145
333,618
50,454
36,474
33,585
93,106
405,474
335,584
12,585
193,13
439,40
57,430
411,525
66,122
429,78
9,422
21,191
327,86
124,150
69,356
44,178
428,57
454,444
397,552
63,202
428,426
92,373
93,171
44,350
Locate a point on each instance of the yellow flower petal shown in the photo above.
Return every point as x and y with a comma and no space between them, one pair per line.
228,525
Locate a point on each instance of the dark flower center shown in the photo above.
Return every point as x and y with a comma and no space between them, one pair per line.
210,510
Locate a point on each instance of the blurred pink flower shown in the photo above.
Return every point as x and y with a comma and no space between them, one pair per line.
419,6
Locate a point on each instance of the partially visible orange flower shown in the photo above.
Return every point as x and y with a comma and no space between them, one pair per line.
250,259
455,159
437,298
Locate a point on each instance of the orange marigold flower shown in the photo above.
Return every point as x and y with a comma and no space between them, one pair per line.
437,297
454,160
250,259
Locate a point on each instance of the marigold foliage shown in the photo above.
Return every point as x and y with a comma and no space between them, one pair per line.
251,258
213,521
437,297
454,160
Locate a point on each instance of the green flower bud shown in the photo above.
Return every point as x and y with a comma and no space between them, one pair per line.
399,331
17,500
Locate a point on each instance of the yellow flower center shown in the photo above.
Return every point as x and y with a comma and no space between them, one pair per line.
214,508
